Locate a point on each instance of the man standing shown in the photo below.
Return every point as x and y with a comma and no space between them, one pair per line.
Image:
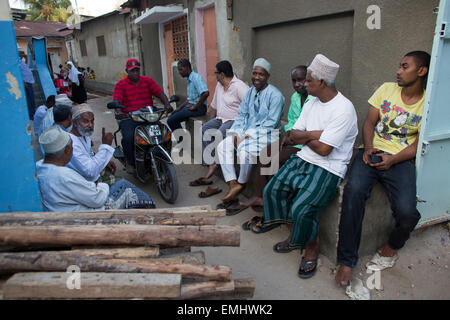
63,189
135,92
256,125
298,99
40,114
305,185
197,93
84,161
390,136
28,81
224,108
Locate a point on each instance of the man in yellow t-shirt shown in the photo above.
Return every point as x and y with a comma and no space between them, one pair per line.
390,135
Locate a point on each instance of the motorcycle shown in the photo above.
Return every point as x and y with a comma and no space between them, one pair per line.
153,144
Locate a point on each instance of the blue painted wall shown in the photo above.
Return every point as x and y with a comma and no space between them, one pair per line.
19,190
40,54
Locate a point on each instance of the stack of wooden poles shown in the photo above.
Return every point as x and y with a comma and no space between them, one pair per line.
117,254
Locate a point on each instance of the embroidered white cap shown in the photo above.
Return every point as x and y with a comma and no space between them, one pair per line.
324,68
80,109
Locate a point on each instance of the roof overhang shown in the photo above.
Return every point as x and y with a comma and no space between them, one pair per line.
159,14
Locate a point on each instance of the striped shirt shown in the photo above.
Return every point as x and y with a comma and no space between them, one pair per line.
195,87
136,96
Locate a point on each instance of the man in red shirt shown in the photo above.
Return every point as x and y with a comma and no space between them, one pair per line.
135,92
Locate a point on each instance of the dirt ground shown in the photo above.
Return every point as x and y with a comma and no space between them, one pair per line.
422,271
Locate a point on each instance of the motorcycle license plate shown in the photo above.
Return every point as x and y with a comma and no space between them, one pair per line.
154,131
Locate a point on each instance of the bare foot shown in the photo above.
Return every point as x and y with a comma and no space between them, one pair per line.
254,201
343,276
234,191
211,170
386,251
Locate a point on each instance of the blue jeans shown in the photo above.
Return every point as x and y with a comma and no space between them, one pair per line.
118,188
400,185
174,121
214,124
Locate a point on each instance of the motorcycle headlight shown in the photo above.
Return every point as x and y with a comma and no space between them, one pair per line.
151,117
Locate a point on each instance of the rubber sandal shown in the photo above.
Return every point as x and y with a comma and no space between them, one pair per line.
200,182
305,264
258,227
231,211
205,194
226,205
247,224
284,247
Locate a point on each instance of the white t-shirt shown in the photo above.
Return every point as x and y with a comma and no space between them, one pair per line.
337,118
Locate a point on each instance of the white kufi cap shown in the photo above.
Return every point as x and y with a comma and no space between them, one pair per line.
263,63
324,68
54,139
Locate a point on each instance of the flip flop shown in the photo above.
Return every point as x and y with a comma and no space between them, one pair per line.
258,227
226,205
205,194
200,182
246,225
305,264
231,211
284,247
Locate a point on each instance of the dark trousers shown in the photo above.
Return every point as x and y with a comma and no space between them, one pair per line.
127,128
30,100
174,121
399,183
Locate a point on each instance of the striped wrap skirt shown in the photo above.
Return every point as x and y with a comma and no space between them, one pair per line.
297,194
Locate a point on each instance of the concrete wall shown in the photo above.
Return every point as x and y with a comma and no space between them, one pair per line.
291,32
121,41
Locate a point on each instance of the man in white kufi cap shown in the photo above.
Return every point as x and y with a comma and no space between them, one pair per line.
63,189
257,124
308,181
92,166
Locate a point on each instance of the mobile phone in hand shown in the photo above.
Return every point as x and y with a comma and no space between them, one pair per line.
375,159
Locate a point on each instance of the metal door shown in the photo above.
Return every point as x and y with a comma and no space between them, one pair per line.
433,154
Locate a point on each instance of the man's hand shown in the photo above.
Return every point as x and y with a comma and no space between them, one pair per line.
237,140
168,108
388,161
192,107
286,141
112,166
367,152
107,137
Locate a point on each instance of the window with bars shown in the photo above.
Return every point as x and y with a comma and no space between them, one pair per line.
180,38
101,47
83,48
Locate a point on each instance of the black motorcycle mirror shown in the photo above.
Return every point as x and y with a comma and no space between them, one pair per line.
115,105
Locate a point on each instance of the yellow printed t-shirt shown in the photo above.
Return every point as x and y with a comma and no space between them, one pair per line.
399,123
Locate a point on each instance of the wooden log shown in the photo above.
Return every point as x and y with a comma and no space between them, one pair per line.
196,257
243,289
56,285
118,253
205,289
116,220
122,234
60,261
111,214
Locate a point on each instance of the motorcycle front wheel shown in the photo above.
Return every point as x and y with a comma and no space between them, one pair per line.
168,186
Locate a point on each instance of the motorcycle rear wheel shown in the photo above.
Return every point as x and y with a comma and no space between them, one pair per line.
168,187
